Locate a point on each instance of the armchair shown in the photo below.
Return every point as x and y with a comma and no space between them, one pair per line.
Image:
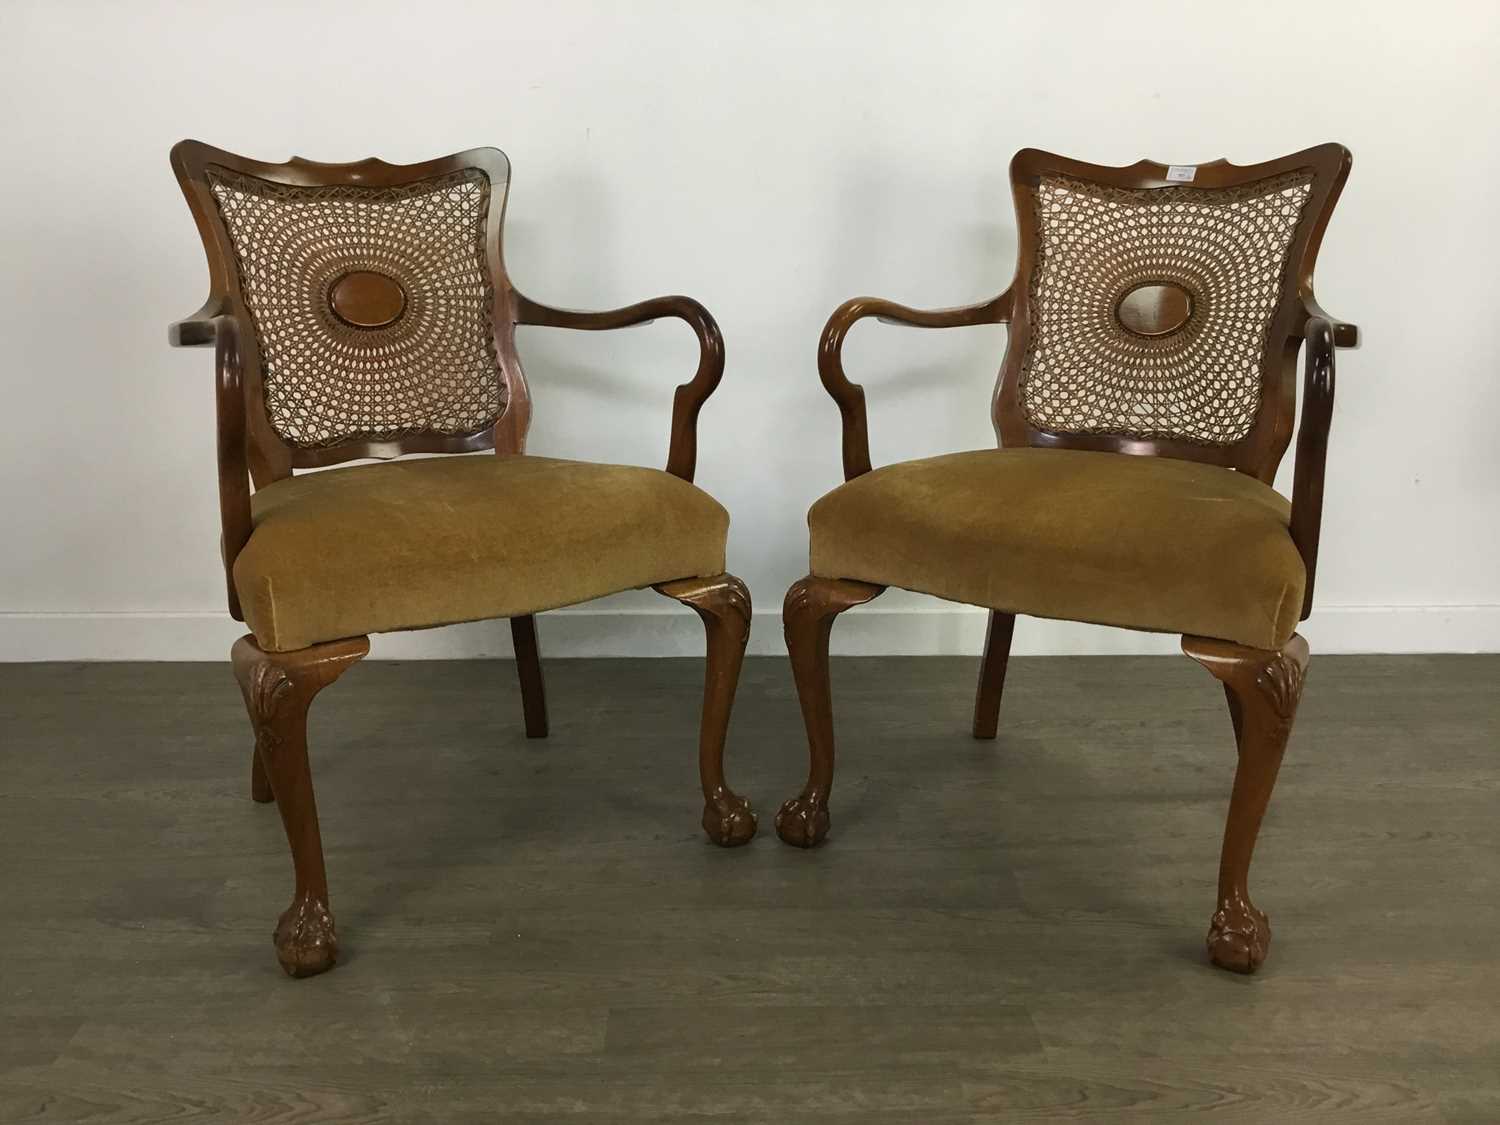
1145,400
363,311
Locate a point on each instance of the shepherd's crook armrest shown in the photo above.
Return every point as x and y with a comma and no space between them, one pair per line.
198,330
849,396
688,400
1345,335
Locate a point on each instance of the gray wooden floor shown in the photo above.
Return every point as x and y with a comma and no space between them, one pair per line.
537,931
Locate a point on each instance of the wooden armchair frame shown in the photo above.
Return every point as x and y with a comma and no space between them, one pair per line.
278,687
1263,687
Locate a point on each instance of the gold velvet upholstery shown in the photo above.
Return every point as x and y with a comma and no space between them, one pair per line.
415,543
1142,542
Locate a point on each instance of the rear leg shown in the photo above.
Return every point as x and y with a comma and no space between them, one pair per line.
529,672
992,673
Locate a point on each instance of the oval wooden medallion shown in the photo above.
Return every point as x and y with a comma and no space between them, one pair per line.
366,299
1155,309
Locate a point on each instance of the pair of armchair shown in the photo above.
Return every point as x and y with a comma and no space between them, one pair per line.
363,311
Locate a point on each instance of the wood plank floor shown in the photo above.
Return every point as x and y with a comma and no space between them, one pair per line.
537,931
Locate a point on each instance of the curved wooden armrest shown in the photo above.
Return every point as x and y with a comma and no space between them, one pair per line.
688,400
234,474
1345,335
198,330
1312,447
849,396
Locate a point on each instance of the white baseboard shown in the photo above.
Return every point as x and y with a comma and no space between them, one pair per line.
871,631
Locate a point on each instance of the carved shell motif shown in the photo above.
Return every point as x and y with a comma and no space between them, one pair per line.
797,597
736,599
1281,681
727,601
270,691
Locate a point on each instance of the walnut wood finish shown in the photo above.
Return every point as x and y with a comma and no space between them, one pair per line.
365,299
851,396
529,671
1312,449
688,400
234,483
1155,310
723,602
260,784
811,605
997,638
1263,688
278,688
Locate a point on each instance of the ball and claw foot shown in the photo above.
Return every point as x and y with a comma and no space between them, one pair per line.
728,819
1239,936
803,822
306,943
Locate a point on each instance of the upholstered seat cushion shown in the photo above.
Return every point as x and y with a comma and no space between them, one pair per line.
414,543
1143,542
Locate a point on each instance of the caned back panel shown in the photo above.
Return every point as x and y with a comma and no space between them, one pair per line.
1155,317
375,315
1226,249
432,369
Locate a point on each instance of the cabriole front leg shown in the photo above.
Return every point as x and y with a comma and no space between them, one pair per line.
811,605
723,602
260,784
1263,687
278,688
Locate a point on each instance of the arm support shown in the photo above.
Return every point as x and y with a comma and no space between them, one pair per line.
682,455
210,325
1312,448
234,475
223,332
851,396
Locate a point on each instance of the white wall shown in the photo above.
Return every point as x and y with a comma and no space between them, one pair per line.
770,159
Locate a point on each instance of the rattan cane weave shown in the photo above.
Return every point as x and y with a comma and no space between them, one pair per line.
327,381
1085,372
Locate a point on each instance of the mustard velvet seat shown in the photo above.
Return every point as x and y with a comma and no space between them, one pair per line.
1141,542
411,544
